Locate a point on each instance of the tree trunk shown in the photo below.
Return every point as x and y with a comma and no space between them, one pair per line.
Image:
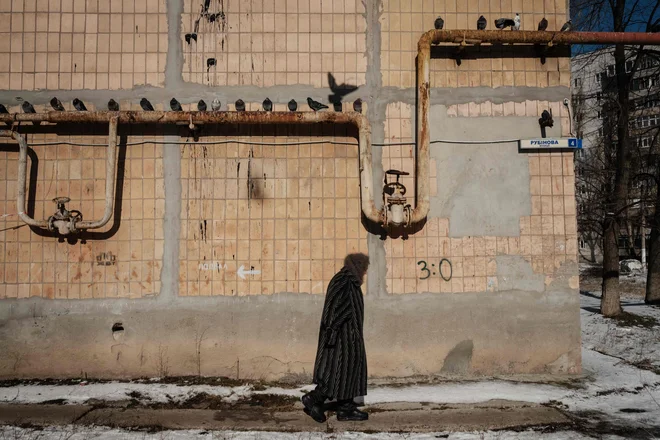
610,304
653,276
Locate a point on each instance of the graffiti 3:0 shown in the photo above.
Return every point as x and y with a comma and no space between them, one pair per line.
444,269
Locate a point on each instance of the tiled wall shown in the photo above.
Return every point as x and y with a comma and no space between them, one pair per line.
82,44
275,42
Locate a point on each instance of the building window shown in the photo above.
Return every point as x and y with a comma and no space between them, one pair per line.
600,131
600,114
598,81
611,70
646,121
577,82
583,244
629,66
599,96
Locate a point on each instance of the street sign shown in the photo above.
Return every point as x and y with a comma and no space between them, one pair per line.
538,144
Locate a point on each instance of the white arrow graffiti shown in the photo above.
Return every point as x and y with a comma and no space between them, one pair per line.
241,272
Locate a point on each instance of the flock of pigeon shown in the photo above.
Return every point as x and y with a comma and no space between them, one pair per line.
503,23
175,105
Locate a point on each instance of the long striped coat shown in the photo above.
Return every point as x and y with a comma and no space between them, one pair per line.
340,369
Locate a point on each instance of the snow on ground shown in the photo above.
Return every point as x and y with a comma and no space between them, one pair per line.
100,433
623,392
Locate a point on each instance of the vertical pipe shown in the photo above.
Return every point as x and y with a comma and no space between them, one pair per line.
422,159
366,174
110,172
22,179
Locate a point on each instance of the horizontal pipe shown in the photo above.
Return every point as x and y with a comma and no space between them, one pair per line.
160,117
539,37
110,167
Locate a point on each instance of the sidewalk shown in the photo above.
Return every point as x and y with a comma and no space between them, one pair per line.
391,417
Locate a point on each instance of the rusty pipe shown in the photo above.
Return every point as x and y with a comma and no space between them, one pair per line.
22,179
475,36
110,168
136,117
538,37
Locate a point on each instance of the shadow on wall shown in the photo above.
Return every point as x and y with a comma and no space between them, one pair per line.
339,91
498,51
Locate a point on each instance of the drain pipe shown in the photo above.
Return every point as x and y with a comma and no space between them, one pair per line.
467,37
251,118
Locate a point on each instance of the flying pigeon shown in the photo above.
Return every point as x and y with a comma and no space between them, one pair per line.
215,105
268,105
190,37
146,105
56,104
293,105
27,107
543,24
3,109
175,105
439,23
503,23
113,106
201,106
316,106
357,105
516,21
567,27
79,105
482,23
240,105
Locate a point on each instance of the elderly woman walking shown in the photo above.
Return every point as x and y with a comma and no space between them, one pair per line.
340,370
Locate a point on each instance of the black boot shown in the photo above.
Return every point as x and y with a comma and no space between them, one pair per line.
313,403
347,411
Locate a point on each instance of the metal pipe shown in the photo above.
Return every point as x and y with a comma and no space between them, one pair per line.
251,118
22,178
110,167
475,36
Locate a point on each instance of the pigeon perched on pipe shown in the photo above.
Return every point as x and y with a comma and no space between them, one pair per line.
516,22
543,24
567,27
268,105
113,105
240,105
79,105
27,107
215,105
175,105
3,109
439,23
293,105
201,106
56,104
315,105
482,23
357,105
146,105
503,23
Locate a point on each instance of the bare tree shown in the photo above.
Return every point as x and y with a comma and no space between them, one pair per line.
617,16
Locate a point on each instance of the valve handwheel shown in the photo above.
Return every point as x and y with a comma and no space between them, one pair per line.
61,200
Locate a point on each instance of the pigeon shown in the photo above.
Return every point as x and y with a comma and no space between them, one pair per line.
567,27
357,105
240,105
543,24
516,21
79,105
27,107
113,106
3,109
190,37
503,23
215,105
268,105
316,106
546,119
56,104
201,106
439,23
293,105
146,105
337,106
482,23
175,105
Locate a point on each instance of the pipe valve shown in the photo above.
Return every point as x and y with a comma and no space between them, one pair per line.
64,220
397,210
